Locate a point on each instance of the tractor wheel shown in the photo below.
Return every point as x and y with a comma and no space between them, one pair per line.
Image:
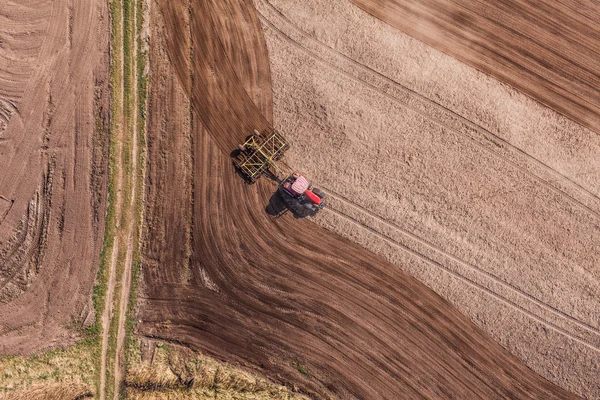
235,153
319,193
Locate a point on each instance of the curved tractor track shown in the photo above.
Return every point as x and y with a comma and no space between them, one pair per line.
283,297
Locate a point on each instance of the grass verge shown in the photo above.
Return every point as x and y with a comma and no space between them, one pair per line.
116,94
127,128
178,373
142,95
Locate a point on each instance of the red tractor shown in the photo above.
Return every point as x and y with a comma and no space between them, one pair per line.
257,157
300,197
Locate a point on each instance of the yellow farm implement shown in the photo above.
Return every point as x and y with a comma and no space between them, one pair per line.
258,154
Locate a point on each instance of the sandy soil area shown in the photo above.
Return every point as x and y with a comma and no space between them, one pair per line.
284,296
53,153
485,195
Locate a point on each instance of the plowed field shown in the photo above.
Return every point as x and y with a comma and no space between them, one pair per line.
284,297
53,167
458,257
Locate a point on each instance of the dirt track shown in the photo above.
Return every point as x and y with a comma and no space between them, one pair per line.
53,147
547,49
222,277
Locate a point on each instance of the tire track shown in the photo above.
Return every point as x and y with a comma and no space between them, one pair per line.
57,114
482,142
131,241
468,281
106,313
20,242
32,239
5,213
124,220
411,249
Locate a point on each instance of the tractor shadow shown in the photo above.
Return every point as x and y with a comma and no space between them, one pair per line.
276,207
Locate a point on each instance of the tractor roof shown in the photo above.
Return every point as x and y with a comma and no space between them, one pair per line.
300,185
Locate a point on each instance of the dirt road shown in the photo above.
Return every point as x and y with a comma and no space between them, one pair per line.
53,152
285,297
547,49
127,173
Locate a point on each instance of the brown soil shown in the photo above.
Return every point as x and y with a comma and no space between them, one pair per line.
280,296
53,152
547,49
